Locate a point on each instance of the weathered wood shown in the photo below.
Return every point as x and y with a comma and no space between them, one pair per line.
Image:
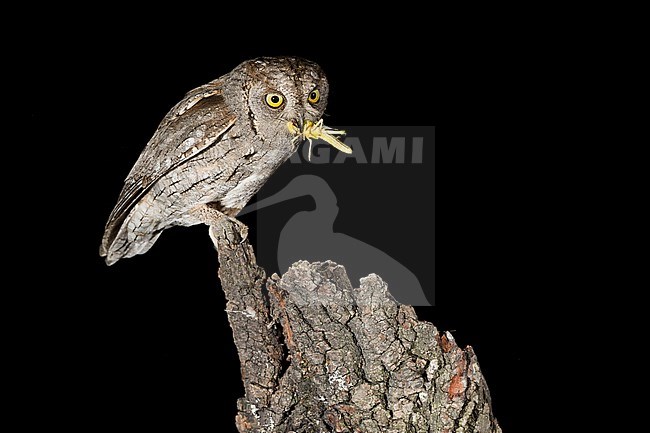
318,355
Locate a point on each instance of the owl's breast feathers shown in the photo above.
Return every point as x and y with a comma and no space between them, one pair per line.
192,126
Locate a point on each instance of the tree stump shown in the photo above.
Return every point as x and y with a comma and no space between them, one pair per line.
318,355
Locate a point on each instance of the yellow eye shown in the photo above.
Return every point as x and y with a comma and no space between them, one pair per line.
314,96
274,100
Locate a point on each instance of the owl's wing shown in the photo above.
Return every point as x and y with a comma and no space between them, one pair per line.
195,124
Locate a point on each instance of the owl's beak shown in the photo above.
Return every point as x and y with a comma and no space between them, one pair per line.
310,130
294,127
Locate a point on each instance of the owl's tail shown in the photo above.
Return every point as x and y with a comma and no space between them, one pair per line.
121,241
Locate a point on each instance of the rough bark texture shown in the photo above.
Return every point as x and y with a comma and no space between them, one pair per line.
318,355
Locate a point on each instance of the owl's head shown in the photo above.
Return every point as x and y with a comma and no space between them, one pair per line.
277,90
281,96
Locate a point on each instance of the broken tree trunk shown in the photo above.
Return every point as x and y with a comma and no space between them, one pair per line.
318,355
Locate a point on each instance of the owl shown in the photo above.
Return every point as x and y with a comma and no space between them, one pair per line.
216,148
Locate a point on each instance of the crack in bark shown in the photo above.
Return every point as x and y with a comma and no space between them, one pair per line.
318,355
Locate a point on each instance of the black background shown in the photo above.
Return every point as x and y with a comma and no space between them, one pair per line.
146,343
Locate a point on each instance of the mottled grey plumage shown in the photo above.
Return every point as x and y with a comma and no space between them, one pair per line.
214,150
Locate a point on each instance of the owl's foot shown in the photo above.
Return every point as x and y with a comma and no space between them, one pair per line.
243,230
213,217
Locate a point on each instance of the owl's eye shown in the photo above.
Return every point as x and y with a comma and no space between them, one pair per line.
274,100
314,96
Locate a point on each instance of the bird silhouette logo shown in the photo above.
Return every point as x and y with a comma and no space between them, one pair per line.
309,235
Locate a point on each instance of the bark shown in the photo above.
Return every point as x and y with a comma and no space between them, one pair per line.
318,355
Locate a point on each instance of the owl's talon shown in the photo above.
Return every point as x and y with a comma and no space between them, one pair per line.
243,230
213,236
